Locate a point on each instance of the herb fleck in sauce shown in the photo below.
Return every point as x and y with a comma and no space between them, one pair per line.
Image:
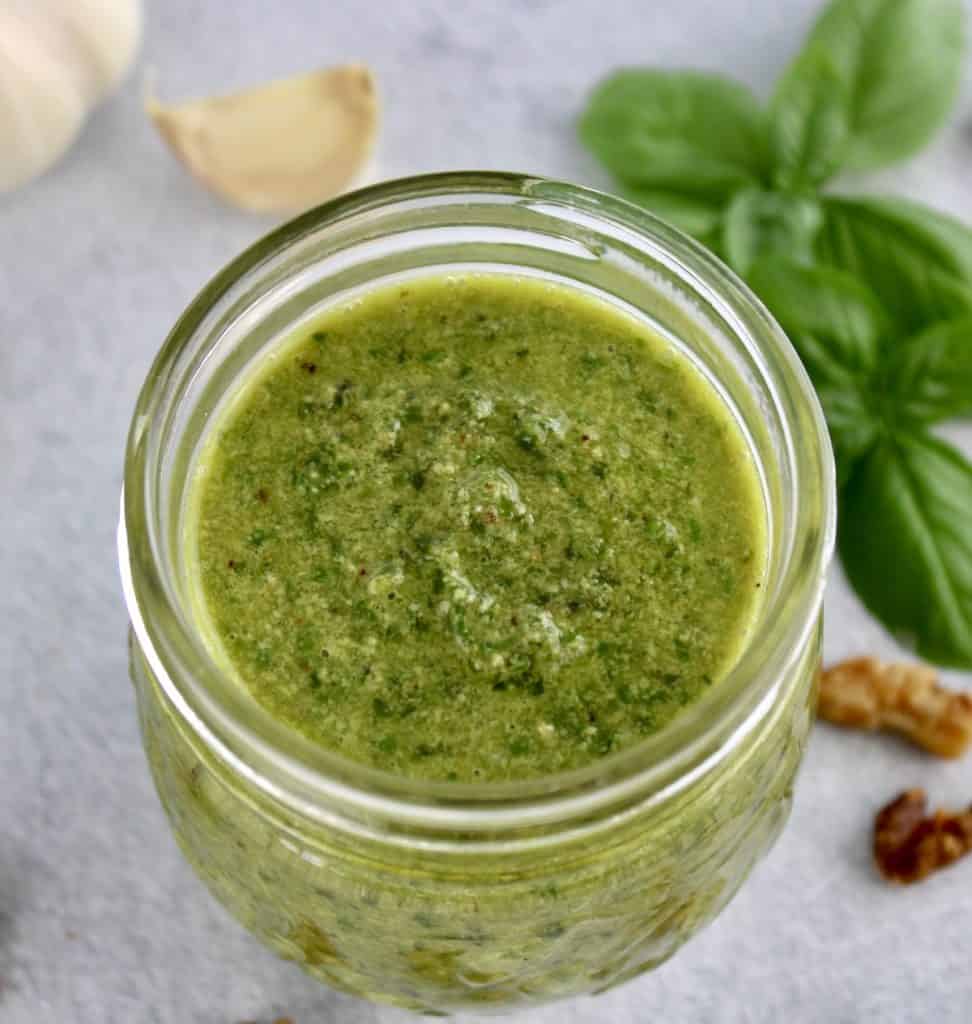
478,528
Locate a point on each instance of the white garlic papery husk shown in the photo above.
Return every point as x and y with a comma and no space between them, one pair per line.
58,59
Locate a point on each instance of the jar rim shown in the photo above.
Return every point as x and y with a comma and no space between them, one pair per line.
327,786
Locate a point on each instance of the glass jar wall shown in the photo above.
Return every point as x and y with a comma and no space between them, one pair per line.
437,896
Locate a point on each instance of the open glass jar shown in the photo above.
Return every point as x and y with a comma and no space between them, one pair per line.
437,896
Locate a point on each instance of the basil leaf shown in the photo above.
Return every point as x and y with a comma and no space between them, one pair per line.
836,326
853,429
809,122
826,303
900,62
695,215
929,376
759,224
916,261
691,132
905,538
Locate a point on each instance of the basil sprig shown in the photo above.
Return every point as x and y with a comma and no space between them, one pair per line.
905,533
875,293
873,83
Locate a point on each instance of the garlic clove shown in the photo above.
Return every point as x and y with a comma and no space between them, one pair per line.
283,146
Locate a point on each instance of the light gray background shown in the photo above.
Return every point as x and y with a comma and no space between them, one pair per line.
100,919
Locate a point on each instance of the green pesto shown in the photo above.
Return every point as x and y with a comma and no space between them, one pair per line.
478,528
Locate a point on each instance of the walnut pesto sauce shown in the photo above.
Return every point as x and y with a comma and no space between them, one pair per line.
477,528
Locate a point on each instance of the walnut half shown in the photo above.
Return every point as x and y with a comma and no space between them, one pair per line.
865,693
908,846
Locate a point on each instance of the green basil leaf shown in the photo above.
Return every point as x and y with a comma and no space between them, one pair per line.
809,122
854,430
905,539
916,261
695,215
929,376
827,304
836,326
691,132
760,224
900,62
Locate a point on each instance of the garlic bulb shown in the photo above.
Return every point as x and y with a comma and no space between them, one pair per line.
58,59
285,145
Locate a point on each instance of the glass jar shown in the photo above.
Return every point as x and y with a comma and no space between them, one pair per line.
438,896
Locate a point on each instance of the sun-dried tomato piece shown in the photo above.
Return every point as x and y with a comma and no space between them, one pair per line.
908,846
865,693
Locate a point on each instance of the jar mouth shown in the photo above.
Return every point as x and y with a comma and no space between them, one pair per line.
324,785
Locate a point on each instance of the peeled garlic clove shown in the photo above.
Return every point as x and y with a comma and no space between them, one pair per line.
282,146
57,59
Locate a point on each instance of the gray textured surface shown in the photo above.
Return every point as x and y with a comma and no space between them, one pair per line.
101,922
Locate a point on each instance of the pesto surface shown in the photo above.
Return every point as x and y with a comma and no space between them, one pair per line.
477,528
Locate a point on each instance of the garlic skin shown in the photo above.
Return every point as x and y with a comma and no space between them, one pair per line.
279,147
58,59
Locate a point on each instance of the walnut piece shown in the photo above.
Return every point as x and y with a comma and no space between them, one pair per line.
865,693
908,846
